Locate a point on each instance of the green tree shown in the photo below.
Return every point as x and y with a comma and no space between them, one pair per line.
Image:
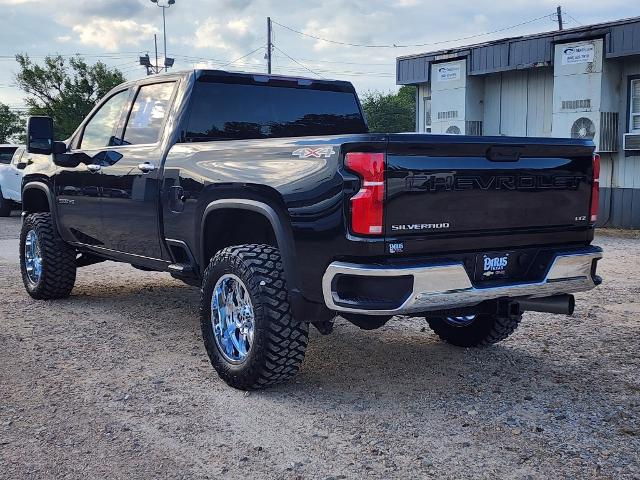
11,125
65,90
391,112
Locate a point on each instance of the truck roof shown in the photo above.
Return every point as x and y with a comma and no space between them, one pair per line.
253,77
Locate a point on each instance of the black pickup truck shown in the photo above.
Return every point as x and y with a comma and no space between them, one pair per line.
271,195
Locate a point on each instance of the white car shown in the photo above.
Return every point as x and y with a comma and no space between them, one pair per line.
10,178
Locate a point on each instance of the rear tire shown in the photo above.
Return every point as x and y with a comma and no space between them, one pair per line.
274,349
482,331
56,260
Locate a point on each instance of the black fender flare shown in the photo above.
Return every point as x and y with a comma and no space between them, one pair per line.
281,228
42,186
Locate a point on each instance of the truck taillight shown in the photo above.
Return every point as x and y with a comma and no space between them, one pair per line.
595,188
367,205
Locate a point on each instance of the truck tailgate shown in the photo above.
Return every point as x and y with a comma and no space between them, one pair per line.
456,184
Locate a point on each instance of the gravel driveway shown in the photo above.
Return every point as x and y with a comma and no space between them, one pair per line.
115,383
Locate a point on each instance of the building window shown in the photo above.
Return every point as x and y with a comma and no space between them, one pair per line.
634,114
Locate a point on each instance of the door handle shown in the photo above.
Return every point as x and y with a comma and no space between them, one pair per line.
146,167
93,168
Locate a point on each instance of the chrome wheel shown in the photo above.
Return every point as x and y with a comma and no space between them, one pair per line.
232,318
460,321
33,257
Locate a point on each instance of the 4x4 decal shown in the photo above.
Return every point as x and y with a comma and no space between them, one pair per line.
320,152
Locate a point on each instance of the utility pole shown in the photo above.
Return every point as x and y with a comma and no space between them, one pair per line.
269,45
559,10
155,41
146,61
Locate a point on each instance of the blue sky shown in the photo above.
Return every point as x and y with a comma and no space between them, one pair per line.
210,33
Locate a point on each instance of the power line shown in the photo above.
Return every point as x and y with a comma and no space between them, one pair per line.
572,18
363,45
193,58
353,73
242,57
296,61
344,63
189,58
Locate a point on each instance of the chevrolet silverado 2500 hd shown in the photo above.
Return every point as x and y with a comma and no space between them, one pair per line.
271,195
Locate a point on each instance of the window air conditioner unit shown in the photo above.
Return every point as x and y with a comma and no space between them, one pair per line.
631,141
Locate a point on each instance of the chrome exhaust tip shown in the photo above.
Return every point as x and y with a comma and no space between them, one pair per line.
560,304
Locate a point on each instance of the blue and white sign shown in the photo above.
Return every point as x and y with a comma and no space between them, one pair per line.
448,73
583,53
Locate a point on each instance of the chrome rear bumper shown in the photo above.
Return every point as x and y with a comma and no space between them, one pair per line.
443,287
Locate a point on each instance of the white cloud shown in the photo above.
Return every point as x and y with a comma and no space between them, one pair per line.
220,34
239,26
111,34
209,35
64,39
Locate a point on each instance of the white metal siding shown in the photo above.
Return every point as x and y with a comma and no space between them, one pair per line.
492,100
540,102
519,103
513,112
607,161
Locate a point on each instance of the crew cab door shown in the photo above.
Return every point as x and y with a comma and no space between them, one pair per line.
130,183
78,190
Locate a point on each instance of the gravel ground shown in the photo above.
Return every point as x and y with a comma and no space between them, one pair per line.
114,382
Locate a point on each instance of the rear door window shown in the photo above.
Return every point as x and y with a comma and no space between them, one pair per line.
148,114
221,111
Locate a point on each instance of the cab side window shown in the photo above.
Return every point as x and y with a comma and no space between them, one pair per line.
101,129
148,113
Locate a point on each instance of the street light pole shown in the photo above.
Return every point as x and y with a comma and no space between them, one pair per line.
167,61
164,30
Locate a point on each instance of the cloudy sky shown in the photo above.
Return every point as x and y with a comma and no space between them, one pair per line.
215,32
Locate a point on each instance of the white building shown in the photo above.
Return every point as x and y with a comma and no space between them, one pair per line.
580,83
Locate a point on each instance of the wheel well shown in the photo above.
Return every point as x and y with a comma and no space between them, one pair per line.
35,200
235,226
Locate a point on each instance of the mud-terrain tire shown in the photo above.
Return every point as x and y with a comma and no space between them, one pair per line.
482,331
278,343
57,259
5,206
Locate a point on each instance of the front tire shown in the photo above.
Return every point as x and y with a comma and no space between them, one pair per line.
47,263
480,330
249,333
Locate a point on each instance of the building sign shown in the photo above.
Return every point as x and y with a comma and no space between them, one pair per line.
583,53
448,73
